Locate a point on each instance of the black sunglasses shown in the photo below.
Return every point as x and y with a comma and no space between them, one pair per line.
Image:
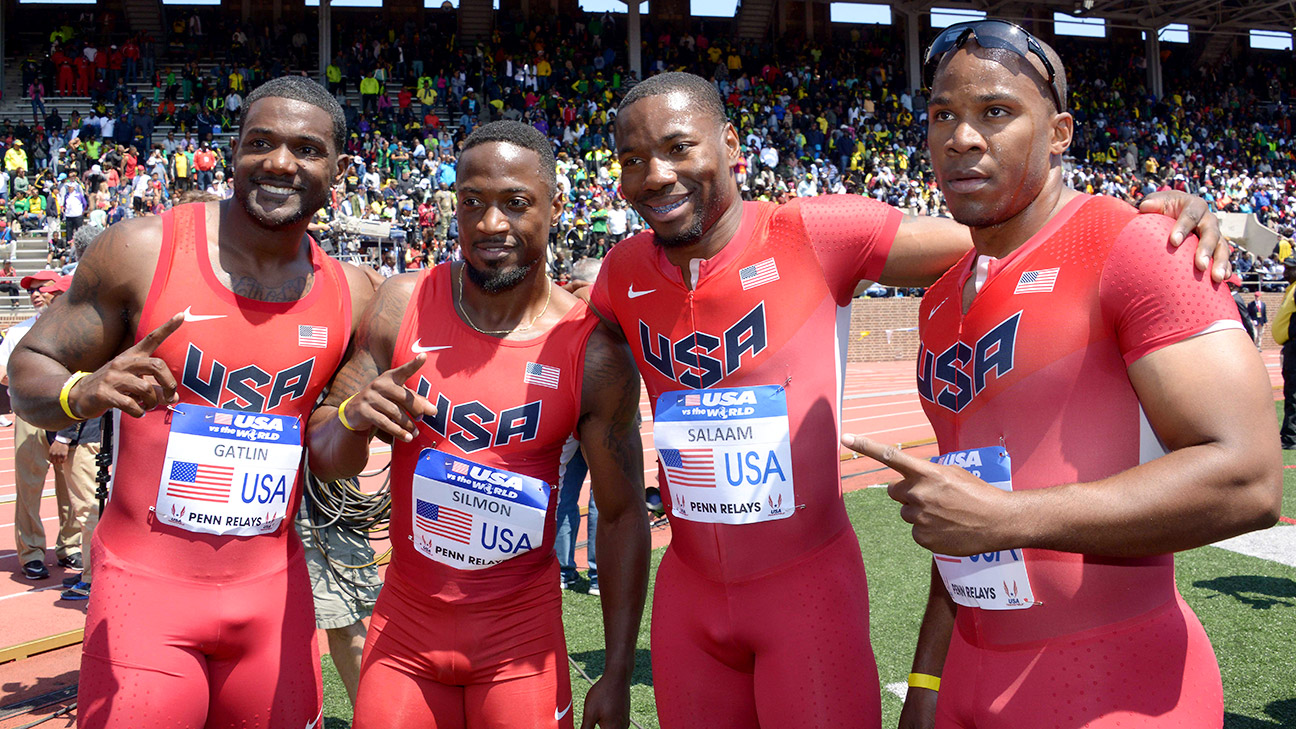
994,34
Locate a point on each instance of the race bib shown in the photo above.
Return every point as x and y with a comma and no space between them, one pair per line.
726,454
227,471
994,580
470,516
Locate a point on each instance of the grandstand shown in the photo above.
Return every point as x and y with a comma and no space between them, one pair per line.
1193,95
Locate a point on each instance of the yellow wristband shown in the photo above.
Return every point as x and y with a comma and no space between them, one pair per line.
342,416
67,390
925,681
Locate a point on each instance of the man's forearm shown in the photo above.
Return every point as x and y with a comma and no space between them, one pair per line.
623,545
936,629
334,451
1183,500
37,400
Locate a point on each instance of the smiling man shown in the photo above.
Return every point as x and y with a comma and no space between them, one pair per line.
1070,369
737,314
479,371
232,318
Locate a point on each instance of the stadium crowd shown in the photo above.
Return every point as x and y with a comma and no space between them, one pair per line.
813,119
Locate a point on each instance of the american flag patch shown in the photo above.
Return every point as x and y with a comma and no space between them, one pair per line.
543,375
692,400
459,467
758,273
199,482
310,336
689,466
223,419
443,521
1037,282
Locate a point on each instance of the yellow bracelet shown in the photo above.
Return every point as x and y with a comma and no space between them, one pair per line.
925,681
342,416
67,390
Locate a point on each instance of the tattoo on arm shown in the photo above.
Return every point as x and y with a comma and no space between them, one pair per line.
370,352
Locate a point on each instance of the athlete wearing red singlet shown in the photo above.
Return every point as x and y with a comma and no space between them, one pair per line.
437,617
236,589
772,308
480,371
1066,366
215,328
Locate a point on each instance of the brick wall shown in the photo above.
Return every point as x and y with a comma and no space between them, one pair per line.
871,319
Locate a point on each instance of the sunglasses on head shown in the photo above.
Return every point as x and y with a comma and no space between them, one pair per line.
994,34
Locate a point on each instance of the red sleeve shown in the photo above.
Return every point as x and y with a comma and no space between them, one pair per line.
852,236
1154,294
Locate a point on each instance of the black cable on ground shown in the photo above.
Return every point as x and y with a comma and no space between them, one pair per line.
55,715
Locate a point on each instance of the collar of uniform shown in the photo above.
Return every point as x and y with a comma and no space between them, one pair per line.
995,265
730,253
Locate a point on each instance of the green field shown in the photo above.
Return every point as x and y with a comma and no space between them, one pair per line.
1248,606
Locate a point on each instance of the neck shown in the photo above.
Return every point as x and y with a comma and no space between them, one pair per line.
257,245
501,312
712,241
1004,238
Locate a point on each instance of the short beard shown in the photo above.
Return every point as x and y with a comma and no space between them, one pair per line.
305,212
686,237
495,282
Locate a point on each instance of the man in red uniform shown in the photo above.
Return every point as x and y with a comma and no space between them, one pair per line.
1070,369
737,314
479,371
231,317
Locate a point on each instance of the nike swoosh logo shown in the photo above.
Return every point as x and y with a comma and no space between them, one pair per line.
636,294
190,316
932,313
558,715
419,349
316,721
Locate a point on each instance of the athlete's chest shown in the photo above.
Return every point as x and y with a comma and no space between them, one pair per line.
1017,328
731,322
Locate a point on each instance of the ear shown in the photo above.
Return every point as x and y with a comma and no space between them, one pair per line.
732,145
556,207
1061,133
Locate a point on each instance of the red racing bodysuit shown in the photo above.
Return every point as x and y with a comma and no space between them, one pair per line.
468,629
760,610
1037,366
202,612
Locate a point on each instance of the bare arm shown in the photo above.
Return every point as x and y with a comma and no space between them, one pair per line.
919,710
1222,477
381,402
91,329
613,448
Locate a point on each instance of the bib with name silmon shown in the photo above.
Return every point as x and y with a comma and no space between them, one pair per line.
228,472
726,454
994,580
470,516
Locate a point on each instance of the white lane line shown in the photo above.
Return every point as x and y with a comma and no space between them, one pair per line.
1277,544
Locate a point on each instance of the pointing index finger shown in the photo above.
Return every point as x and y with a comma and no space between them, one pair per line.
407,370
154,339
888,455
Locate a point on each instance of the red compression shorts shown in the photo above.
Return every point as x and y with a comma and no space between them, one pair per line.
166,652
789,648
437,665
1155,671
